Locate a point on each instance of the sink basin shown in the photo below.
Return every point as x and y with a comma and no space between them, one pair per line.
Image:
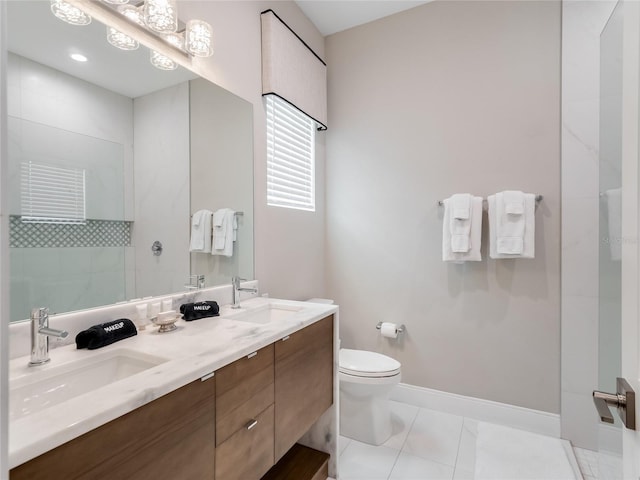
52,385
266,314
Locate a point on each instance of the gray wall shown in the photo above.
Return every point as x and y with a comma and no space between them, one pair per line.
444,98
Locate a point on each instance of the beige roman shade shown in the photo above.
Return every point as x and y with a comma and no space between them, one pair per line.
292,71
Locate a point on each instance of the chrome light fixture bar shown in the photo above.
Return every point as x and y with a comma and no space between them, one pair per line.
156,17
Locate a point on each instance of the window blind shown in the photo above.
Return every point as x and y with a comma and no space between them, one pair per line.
290,156
52,194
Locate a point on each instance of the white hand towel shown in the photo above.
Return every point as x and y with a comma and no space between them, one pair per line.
509,228
229,224
614,221
460,222
201,231
513,202
219,229
508,243
473,238
461,205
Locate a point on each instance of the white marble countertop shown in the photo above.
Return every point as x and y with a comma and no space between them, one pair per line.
196,349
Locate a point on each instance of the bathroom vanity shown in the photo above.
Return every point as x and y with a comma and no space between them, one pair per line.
260,379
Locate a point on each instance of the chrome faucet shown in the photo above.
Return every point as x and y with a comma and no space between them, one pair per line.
40,333
196,282
235,285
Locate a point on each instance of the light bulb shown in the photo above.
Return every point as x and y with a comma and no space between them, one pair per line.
175,39
162,61
132,13
68,13
120,40
161,15
197,38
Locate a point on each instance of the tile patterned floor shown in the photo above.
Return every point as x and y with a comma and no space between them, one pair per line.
425,445
598,465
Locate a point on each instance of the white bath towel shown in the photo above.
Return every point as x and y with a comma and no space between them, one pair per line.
614,221
516,239
201,231
473,238
224,233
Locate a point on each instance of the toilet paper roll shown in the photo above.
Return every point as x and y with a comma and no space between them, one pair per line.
389,330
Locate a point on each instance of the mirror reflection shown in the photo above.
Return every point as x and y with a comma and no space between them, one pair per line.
110,157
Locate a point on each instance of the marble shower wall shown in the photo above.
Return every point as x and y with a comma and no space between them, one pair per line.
582,23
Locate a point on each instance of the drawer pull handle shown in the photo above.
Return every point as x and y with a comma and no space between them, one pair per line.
207,376
285,338
251,424
251,355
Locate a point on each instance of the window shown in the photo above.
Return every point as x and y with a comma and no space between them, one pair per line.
52,194
290,156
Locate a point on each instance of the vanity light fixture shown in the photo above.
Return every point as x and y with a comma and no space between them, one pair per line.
78,57
162,61
68,13
159,17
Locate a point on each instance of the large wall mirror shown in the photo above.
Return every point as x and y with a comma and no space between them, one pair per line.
109,157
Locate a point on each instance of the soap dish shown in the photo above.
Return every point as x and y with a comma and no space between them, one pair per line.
166,321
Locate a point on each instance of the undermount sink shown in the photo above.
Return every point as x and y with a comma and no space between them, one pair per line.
41,389
266,314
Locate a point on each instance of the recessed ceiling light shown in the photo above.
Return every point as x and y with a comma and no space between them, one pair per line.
78,57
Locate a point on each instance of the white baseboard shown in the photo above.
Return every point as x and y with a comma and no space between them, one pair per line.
535,421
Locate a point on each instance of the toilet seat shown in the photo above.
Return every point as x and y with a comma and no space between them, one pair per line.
361,363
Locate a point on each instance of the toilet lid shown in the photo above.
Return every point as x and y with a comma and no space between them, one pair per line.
362,363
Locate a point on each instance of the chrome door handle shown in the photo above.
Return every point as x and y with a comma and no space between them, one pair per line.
624,400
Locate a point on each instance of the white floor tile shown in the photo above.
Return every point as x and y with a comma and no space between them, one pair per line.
435,436
410,467
402,417
342,444
466,459
462,474
363,461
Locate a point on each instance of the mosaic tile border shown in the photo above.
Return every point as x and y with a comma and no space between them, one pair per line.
94,233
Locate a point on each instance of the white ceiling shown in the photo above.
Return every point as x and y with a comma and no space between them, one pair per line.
35,33
332,16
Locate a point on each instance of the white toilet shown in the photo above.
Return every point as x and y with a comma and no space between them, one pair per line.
366,379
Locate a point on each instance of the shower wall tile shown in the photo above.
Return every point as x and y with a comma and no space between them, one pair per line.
162,190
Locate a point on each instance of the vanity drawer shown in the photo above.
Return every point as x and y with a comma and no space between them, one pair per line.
244,388
247,454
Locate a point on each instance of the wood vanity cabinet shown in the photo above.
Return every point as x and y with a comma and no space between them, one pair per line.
233,426
303,382
170,438
244,417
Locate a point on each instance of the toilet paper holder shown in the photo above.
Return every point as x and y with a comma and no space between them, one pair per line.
399,329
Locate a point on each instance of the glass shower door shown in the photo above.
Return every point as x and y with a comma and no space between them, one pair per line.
610,234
